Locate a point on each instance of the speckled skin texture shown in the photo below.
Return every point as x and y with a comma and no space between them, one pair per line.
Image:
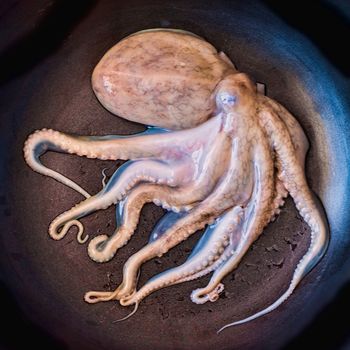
231,172
48,278
160,78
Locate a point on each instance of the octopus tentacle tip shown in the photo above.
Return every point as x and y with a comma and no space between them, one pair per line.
214,295
224,327
129,315
82,239
59,232
104,177
199,296
94,297
98,249
128,299
236,323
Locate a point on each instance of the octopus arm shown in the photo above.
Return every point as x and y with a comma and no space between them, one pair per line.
297,135
35,146
309,207
102,147
293,176
102,248
153,143
298,138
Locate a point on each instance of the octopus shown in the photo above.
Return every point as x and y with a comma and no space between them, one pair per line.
217,154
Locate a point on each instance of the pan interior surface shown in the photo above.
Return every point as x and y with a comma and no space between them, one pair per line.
49,278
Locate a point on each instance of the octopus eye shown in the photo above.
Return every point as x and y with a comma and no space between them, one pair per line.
227,99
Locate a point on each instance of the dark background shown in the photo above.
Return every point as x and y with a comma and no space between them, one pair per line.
325,23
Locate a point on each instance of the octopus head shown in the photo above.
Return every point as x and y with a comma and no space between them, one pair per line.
236,94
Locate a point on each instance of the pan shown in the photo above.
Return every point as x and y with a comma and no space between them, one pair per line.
46,64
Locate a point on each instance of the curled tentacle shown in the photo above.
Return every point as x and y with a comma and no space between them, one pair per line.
101,147
104,177
94,297
35,146
62,223
57,235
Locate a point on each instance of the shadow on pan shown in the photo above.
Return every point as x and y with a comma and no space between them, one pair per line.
59,23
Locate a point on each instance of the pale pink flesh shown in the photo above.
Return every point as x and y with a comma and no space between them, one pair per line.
220,160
